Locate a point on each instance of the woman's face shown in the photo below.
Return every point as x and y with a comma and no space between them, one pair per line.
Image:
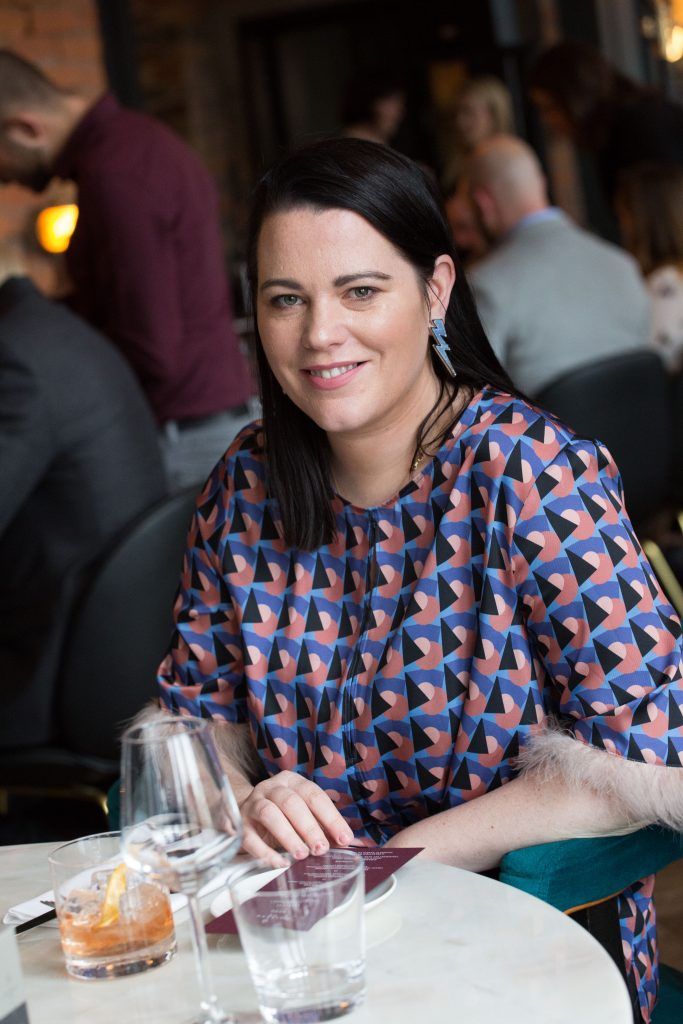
465,225
627,222
474,121
388,113
551,114
344,321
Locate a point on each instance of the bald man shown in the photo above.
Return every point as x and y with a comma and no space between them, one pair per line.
552,297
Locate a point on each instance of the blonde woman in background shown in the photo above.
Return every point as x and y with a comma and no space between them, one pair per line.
483,107
649,205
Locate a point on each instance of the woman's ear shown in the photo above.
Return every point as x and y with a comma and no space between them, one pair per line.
440,286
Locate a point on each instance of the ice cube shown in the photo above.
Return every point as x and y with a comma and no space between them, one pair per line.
129,906
100,879
73,905
82,902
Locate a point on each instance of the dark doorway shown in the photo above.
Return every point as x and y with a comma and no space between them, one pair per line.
297,67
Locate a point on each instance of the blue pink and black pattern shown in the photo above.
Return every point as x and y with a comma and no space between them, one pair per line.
402,666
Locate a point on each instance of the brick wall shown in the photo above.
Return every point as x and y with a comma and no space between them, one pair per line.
63,38
191,76
188,71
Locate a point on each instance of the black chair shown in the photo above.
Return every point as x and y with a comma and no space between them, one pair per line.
114,641
625,401
677,403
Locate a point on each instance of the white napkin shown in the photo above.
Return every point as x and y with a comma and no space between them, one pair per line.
31,908
41,904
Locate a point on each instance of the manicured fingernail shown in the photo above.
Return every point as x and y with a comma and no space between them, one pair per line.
319,847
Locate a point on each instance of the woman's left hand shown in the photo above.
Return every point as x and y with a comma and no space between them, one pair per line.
294,814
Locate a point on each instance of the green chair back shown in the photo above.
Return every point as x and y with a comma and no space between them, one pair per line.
575,872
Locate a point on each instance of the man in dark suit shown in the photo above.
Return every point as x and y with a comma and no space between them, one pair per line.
79,459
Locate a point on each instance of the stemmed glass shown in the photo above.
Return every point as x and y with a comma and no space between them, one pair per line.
179,821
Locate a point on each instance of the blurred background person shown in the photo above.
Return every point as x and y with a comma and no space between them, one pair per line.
579,94
470,241
649,205
483,108
551,296
79,460
373,108
146,258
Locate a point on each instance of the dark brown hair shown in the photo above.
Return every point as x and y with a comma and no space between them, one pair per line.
24,84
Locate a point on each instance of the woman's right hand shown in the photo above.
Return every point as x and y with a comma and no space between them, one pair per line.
291,813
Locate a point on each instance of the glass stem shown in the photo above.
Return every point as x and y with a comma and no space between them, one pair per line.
207,996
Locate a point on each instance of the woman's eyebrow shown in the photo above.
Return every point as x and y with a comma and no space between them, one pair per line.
281,282
339,282
377,275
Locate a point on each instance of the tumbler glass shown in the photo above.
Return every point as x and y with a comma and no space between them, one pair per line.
304,938
111,920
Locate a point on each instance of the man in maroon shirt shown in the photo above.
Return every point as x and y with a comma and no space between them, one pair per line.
146,258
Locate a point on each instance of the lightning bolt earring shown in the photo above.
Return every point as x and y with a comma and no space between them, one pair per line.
437,329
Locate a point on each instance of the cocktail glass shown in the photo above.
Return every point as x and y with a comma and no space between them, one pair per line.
112,921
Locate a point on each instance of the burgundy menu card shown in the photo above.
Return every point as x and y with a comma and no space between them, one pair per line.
380,862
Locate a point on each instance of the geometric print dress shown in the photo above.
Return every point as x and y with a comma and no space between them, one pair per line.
402,666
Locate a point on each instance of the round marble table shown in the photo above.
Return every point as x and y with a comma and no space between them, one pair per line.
447,946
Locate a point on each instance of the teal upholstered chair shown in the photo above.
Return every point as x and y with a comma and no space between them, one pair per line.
557,873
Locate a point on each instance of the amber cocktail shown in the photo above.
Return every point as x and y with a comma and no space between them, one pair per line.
111,921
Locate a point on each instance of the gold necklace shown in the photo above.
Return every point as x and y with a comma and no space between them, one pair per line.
417,460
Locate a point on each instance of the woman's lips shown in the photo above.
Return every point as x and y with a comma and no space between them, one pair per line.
336,376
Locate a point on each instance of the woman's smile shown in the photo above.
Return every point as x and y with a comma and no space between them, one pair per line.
333,376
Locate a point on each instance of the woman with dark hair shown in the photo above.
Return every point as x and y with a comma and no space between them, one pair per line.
414,600
579,94
649,206
373,107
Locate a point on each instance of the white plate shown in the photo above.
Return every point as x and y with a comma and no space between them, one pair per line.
381,892
222,903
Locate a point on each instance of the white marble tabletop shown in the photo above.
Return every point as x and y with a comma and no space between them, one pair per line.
446,946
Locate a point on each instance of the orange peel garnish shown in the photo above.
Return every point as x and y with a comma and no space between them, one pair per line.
116,886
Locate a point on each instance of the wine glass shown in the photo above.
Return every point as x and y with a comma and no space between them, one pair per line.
179,821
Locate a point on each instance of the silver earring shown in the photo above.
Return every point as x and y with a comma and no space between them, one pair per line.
437,329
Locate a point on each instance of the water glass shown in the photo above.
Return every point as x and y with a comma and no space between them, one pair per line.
111,920
304,938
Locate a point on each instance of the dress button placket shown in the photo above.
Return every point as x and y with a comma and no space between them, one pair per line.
356,666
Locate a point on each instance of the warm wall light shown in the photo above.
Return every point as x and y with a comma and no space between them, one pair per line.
673,46
55,226
669,27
